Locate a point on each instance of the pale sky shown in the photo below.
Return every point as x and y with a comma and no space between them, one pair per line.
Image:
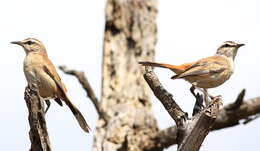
72,32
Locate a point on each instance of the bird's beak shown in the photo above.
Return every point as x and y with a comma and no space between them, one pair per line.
240,45
17,43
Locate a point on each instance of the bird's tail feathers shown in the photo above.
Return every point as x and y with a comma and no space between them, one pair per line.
81,120
154,64
176,69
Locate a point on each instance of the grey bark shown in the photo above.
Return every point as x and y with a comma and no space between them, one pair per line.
190,132
38,129
228,116
130,36
165,97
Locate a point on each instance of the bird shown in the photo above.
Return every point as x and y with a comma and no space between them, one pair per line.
209,72
40,71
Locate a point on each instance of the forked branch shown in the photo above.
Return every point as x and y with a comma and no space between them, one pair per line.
230,115
190,132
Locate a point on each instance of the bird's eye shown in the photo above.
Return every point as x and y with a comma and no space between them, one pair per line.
29,42
226,45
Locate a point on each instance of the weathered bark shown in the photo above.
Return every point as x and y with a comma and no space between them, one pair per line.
194,131
165,97
229,118
190,132
226,118
38,132
130,36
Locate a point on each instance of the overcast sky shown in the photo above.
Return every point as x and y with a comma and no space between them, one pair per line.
72,32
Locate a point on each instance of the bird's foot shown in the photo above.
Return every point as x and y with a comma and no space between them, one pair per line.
48,103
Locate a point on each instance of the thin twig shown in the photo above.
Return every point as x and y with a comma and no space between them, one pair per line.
250,119
86,86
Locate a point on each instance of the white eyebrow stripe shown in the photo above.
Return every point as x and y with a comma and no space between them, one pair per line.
33,40
230,43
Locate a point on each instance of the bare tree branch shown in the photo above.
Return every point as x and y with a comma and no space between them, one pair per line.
237,102
38,132
190,132
225,119
80,75
166,98
198,127
228,118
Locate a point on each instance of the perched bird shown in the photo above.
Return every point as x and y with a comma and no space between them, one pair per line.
208,72
40,71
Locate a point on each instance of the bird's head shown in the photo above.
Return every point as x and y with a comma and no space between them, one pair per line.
229,49
31,45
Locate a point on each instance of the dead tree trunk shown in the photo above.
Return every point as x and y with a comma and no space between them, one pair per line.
130,36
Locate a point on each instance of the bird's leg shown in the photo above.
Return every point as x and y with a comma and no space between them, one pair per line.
198,104
192,89
197,96
206,96
48,103
58,101
205,92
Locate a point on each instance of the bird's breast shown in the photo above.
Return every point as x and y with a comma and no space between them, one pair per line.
210,81
34,73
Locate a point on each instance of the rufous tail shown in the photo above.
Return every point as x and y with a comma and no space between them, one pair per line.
82,122
176,69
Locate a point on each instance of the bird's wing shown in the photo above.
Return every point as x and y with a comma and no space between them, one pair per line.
204,67
54,75
81,120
